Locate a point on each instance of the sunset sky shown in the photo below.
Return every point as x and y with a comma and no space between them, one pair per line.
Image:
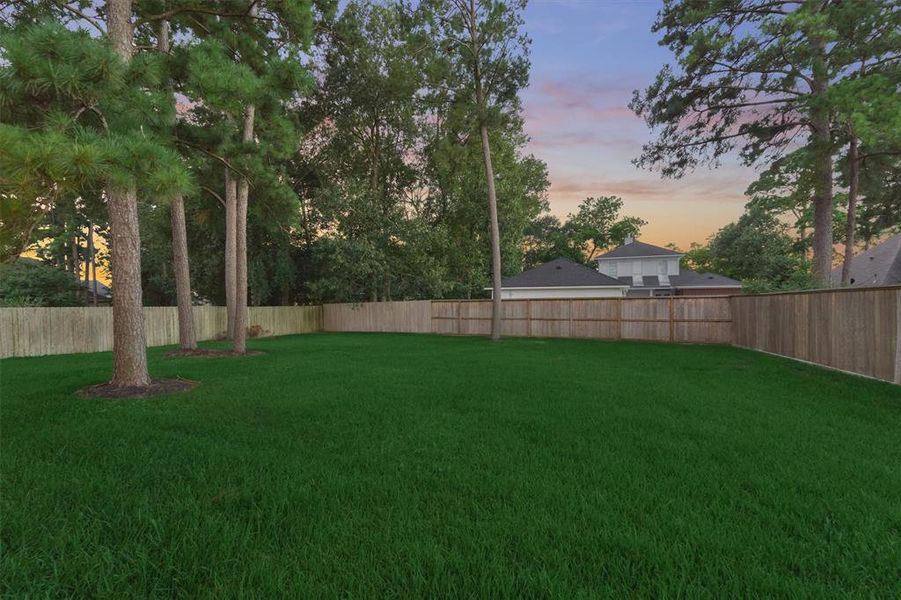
587,57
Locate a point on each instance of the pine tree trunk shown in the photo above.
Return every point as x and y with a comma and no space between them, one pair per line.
87,271
853,186
187,340
129,345
76,261
231,207
93,281
822,203
496,305
240,338
820,123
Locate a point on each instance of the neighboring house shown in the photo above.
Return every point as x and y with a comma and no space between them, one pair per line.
654,271
104,295
878,266
561,278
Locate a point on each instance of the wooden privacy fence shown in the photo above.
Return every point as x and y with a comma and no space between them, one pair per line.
673,319
855,330
410,317
39,331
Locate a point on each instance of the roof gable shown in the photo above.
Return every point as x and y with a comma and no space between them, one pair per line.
637,248
560,272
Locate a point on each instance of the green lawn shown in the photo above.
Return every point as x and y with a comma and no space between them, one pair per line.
399,465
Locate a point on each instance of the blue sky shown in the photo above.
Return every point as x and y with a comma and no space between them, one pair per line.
587,57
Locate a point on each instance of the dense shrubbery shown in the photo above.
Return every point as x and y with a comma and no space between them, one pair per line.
28,282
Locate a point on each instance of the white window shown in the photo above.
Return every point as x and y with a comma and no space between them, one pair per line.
662,271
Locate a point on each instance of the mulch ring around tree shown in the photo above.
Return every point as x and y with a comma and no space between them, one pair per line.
157,387
207,353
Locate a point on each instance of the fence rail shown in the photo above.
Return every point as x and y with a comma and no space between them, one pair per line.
855,330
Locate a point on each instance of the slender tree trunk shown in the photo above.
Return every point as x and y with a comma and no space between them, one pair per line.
853,186
87,270
822,202
129,345
76,261
820,122
231,256
187,340
240,339
93,282
497,307
475,40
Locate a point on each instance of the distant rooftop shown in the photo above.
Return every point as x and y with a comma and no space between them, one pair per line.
880,265
635,248
685,279
560,272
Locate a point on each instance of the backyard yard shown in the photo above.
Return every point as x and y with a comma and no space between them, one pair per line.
417,465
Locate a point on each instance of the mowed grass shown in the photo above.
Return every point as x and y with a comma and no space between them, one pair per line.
377,465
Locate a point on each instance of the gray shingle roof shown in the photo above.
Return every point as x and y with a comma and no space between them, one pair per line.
560,272
686,279
647,281
637,248
880,265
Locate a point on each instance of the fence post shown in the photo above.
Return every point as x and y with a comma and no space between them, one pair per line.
898,336
459,317
672,336
529,318
619,319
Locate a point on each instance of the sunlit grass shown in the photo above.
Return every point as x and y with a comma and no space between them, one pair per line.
389,465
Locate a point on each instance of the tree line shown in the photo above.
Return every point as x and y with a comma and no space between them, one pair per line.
805,89
256,151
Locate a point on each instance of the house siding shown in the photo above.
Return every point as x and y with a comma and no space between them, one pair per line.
630,267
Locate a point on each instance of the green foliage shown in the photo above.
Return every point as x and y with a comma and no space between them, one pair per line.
18,220
760,77
756,249
27,282
697,258
598,224
73,116
595,226
479,60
